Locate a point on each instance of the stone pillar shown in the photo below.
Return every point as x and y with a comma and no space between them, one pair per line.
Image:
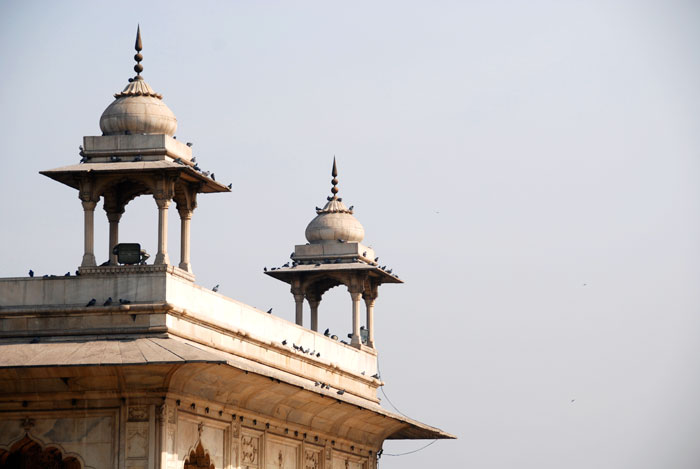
162,256
299,302
185,217
89,215
356,297
369,304
113,218
313,304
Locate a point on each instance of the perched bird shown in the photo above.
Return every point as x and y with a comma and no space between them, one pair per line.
205,173
138,158
84,159
195,167
351,207
363,373
178,160
318,209
295,346
124,302
269,311
341,240
334,337
216,288
294,264
284,342
230,186
31,273
318,355
318,264
107,302
364,254
316,383
77,272
375,376
341,391
67,274
104,263
376,259
114,158
327,332
194,159
389,271
189,144
213,178
264,269
274,268
91,303
45,276
286,265
291,256
343,342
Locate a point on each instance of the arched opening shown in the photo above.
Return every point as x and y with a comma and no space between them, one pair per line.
28,454
198,459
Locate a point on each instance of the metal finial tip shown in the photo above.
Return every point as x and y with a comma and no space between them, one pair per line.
138,46
334,173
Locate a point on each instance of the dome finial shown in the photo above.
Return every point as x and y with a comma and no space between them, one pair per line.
138,68
334,181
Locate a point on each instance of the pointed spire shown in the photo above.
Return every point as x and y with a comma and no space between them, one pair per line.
334,181
138,68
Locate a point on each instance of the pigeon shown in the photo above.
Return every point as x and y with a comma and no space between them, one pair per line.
316,383
31,273
77,272
318,209
375,376
104,263
286,265
212,177
269,311
351,207
138,158
196,167
340,199
91,303
389,271
284,342
108,302
216,288
84,159
274,268
334,337
205,173
364,254
291,256
67,274
194,159
124,302
295,346
318,355
376,259
264,269
341,391
341,240
114,158
343,342
45,276
230,186
178,161
189,144
363,373
318,264
327,332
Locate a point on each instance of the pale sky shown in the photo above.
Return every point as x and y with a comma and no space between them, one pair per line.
530,169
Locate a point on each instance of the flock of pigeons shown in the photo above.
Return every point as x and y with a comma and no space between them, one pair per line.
294,263
114,159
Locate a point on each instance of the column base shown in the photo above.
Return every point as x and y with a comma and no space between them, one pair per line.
88,260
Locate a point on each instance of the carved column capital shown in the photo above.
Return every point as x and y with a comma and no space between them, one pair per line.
162,202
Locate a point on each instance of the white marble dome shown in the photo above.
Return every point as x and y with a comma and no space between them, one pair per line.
334,222
138,110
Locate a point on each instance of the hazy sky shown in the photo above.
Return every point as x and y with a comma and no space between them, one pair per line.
530,169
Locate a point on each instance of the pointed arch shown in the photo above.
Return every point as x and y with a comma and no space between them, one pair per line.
199,458
28,453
